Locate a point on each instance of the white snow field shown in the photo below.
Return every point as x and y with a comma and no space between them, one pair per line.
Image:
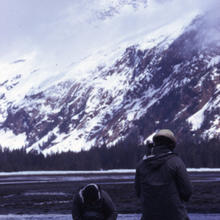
120,217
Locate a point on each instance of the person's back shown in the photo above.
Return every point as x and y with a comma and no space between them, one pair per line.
162,183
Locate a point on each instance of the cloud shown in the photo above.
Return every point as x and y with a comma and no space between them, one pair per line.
61,32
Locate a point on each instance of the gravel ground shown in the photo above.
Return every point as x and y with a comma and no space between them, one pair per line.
48,195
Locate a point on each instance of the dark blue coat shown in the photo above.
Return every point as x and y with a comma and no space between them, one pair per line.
163,185
102,209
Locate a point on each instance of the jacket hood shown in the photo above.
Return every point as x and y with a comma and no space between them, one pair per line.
92,184
158,161
159,156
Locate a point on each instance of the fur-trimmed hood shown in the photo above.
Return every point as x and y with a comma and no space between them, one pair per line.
91,184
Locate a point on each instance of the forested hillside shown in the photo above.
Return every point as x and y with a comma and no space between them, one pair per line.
121,156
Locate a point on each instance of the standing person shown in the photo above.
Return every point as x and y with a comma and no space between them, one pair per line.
162,182
93,203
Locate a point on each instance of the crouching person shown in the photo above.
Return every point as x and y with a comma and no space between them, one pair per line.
93,203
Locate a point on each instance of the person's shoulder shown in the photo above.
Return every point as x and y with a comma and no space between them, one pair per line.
176,157
107,201
140,163
104,193
175,161
77,197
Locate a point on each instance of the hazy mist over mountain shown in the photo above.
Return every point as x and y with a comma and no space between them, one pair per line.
55,32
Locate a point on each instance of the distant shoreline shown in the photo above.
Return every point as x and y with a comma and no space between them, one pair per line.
115,171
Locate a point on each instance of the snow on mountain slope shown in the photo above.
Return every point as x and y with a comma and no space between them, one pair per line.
155,77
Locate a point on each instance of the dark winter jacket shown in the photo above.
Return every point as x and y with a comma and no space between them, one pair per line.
103,209
163,185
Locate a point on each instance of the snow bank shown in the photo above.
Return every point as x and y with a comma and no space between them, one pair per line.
120,217
124,171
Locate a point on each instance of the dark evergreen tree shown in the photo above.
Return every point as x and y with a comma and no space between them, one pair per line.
124,155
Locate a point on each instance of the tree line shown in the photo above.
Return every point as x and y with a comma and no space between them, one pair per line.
124,155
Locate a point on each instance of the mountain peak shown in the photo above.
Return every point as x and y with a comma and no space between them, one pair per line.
157,77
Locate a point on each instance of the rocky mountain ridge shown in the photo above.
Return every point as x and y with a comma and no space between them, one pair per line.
168,78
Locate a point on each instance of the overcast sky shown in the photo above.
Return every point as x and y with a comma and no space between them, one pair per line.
63,31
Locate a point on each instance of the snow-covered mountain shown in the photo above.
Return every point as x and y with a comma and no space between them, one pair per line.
166,76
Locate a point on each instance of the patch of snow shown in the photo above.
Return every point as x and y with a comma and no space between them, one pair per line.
214,130
202,79
203,169
215,74
179,113
134,216
58,172
214,61
110,133
130,116
75,141
36,146
11,141
135,109
176,68
44,193
197,119
167,33
115,171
